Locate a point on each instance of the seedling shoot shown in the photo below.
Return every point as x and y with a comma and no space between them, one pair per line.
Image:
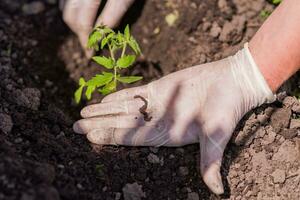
118,44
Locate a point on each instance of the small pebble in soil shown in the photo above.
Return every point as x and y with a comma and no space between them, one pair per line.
118,196
233,29
33,95
171,156
289,133
262,118
280,119
18,140
6,123
295,123
289,101
133,191
278,176
215,30
260,133
296,107
152,158
153,149
51,1
269,138
183,171
287,152
45,172
193,196
33,8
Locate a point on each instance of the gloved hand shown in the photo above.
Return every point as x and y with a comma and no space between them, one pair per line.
80,15
201,104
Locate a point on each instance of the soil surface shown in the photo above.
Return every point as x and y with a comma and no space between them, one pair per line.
42,158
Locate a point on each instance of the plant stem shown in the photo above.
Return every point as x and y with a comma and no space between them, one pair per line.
111,52
115,66
124,50
115,75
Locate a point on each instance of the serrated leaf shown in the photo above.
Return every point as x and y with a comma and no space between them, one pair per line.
103,29
78,93
100,79
107,30
96,35
88,93
129,79
276,2
104,42
81,81
127,32
126,61
109,36
134,45
108,88
93,40
120,37
104,61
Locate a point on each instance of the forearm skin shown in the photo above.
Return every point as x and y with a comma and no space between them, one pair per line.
276,46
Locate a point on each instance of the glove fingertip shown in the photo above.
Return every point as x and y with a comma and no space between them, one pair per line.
212,178
77,128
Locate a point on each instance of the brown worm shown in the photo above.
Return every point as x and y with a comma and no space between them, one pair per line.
143,109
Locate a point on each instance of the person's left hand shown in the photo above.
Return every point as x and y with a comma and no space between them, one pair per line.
80,15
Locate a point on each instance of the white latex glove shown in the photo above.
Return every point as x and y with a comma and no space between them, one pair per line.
80,15
201,104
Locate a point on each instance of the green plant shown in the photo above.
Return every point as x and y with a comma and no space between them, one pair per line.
266,13
275,2
117,44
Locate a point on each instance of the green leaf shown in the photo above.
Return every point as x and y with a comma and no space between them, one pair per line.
107,39
265,14
104,61
96,35
104,30
104,42
129,79
134,45
276,2
127,32
94,38
108,88
88,93
100,79
120,37
81,82
78,92
126,61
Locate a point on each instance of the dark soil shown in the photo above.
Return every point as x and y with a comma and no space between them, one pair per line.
42,158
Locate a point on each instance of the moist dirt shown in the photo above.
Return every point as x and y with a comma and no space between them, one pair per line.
42,158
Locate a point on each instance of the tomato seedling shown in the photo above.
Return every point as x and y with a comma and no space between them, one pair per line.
117,43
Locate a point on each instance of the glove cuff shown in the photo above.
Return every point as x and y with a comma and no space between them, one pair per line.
251,80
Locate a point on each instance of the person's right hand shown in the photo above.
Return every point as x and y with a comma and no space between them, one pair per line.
80,15
201,104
